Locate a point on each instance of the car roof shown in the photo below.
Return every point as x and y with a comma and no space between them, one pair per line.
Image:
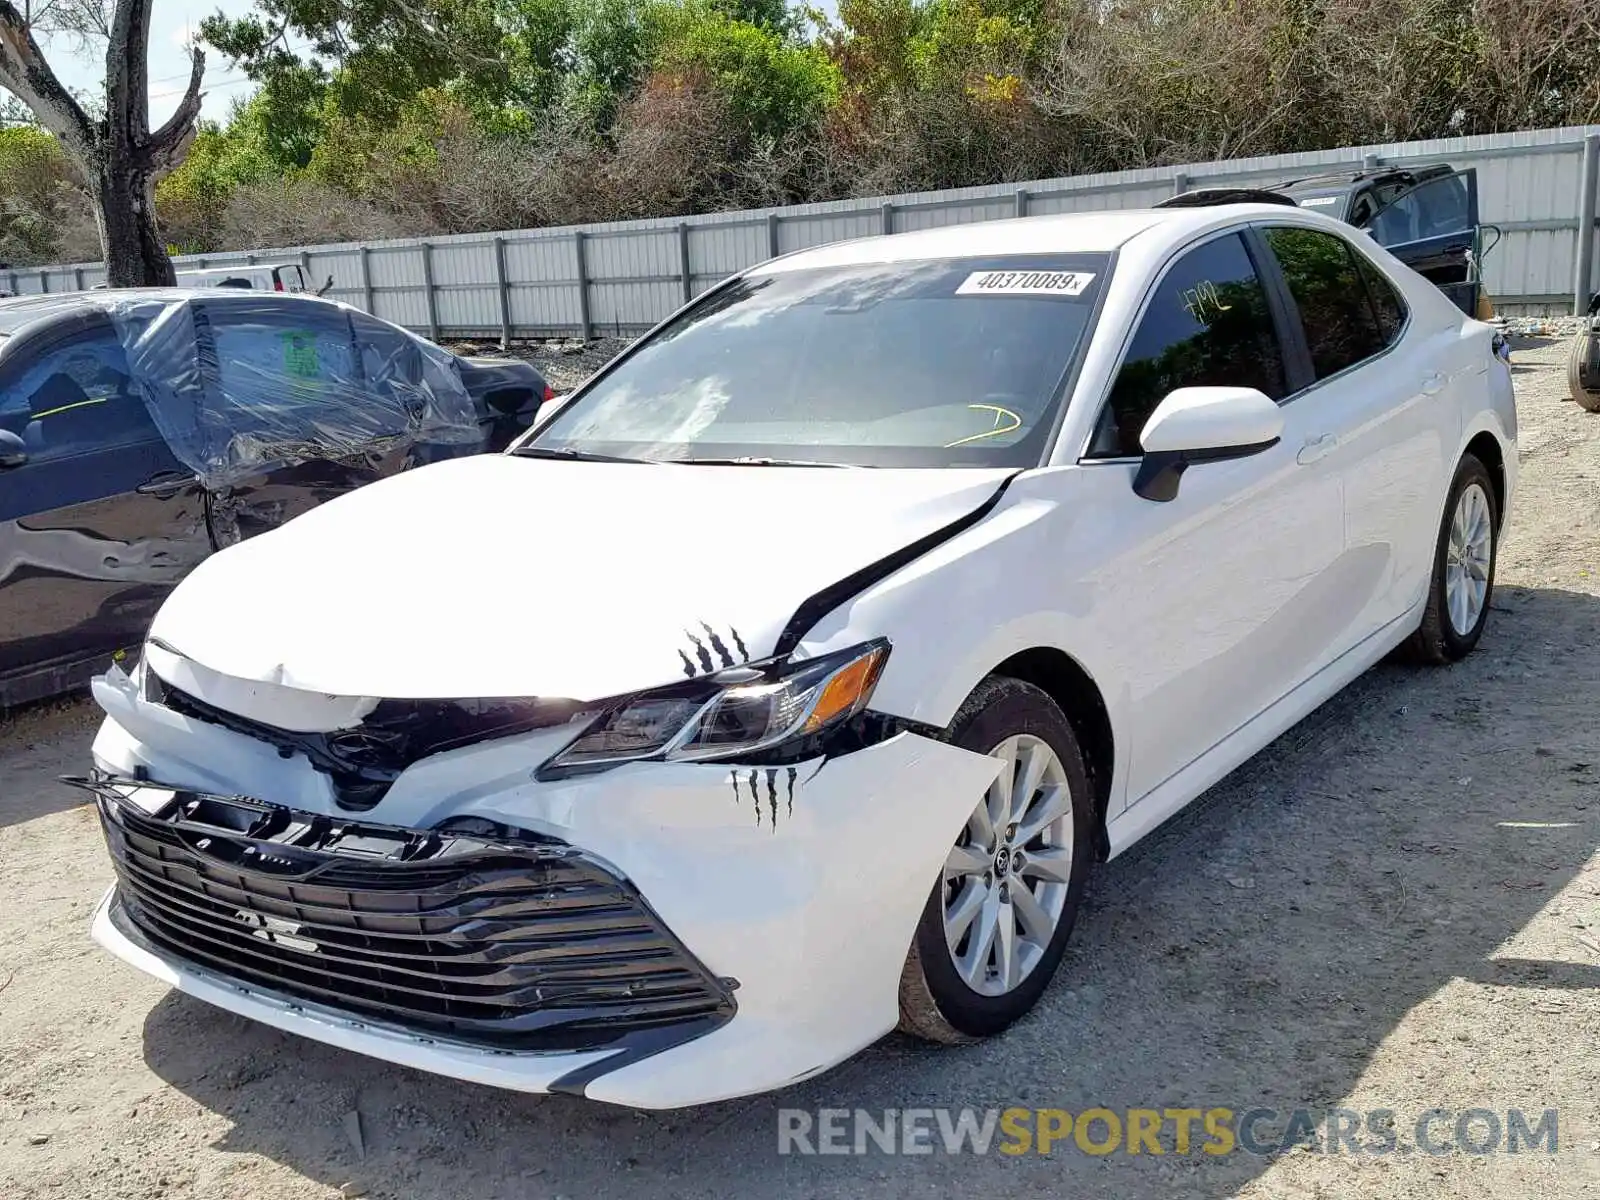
17,311
1064,233
235,269
1068,233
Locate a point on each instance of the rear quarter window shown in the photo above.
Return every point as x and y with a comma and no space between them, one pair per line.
1335,304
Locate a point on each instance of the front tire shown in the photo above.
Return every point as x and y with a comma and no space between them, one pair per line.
997,921
1463,569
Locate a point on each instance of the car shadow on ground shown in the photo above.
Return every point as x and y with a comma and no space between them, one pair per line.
1256,951
29,735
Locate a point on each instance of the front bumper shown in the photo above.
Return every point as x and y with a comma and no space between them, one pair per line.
801,888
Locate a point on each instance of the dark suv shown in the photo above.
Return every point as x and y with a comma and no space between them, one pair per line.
1427,217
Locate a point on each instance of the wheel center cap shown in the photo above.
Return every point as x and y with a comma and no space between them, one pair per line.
1002,861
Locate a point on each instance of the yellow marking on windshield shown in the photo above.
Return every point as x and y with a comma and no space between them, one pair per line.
999,415
68,408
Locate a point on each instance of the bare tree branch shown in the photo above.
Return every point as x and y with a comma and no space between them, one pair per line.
24,73
166,145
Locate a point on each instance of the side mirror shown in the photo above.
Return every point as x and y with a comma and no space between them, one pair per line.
13,450
547,410
1203,424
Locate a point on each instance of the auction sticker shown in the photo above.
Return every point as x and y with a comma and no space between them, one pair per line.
1026,283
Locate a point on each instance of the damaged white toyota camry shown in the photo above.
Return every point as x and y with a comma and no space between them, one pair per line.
786,684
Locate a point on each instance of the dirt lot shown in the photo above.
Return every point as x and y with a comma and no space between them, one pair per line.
1396,906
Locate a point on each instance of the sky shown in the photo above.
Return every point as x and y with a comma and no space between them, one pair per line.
170,24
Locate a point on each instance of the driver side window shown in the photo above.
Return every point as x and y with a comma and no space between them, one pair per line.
75,398
1208,324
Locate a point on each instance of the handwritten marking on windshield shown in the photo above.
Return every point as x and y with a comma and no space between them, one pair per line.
1000,414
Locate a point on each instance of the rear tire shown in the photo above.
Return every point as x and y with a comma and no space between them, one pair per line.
1454,619
1005,873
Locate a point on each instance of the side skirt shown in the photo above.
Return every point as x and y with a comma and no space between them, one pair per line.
1174,794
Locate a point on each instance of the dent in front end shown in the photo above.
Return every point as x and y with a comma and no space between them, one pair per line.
657,934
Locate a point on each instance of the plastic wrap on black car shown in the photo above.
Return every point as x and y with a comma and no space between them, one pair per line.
241,385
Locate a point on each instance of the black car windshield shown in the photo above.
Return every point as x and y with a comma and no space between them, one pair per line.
943,363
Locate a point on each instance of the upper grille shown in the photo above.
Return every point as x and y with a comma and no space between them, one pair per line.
518,945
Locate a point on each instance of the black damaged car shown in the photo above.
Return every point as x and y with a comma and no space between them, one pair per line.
142,430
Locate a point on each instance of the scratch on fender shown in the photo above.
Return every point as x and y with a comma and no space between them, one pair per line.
751,780
717,644
710,653
700,650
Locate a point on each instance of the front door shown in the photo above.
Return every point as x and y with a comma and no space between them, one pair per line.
1221,600
97,524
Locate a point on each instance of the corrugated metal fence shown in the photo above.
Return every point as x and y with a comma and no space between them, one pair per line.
1539,188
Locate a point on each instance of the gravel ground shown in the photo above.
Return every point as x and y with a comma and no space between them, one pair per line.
564,363
1397,906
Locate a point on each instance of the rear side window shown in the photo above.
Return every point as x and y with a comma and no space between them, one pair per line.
1386,301
1336,309
1208,325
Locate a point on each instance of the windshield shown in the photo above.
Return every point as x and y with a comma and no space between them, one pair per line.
1331,203
946,363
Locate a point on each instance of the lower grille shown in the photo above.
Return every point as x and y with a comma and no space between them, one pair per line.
512,944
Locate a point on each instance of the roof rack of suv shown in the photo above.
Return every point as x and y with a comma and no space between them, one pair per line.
1209,197
1410,175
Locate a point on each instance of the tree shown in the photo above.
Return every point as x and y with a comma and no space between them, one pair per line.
118,154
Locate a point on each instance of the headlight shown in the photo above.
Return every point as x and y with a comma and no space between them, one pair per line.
705,719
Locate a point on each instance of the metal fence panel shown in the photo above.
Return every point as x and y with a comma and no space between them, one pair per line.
625,276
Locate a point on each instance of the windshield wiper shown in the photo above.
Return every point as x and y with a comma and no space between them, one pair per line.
750,461
568,452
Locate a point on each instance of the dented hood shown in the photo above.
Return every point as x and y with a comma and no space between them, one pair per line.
498,576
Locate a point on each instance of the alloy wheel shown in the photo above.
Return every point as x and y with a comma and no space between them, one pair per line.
1468,556
1005,881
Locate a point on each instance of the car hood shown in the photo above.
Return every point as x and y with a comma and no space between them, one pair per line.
499,576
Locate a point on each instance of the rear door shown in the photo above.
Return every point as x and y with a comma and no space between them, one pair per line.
286,382
98,523
1433,229
1378,381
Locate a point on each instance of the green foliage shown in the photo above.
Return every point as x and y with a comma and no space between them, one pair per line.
771,84
36,192
465,114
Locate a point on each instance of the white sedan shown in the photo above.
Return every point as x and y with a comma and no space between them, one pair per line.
786,685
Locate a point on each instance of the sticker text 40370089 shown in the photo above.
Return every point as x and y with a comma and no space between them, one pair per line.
1025,283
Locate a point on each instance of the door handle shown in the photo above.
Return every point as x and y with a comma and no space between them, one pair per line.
166,485
1432,383
1318,447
